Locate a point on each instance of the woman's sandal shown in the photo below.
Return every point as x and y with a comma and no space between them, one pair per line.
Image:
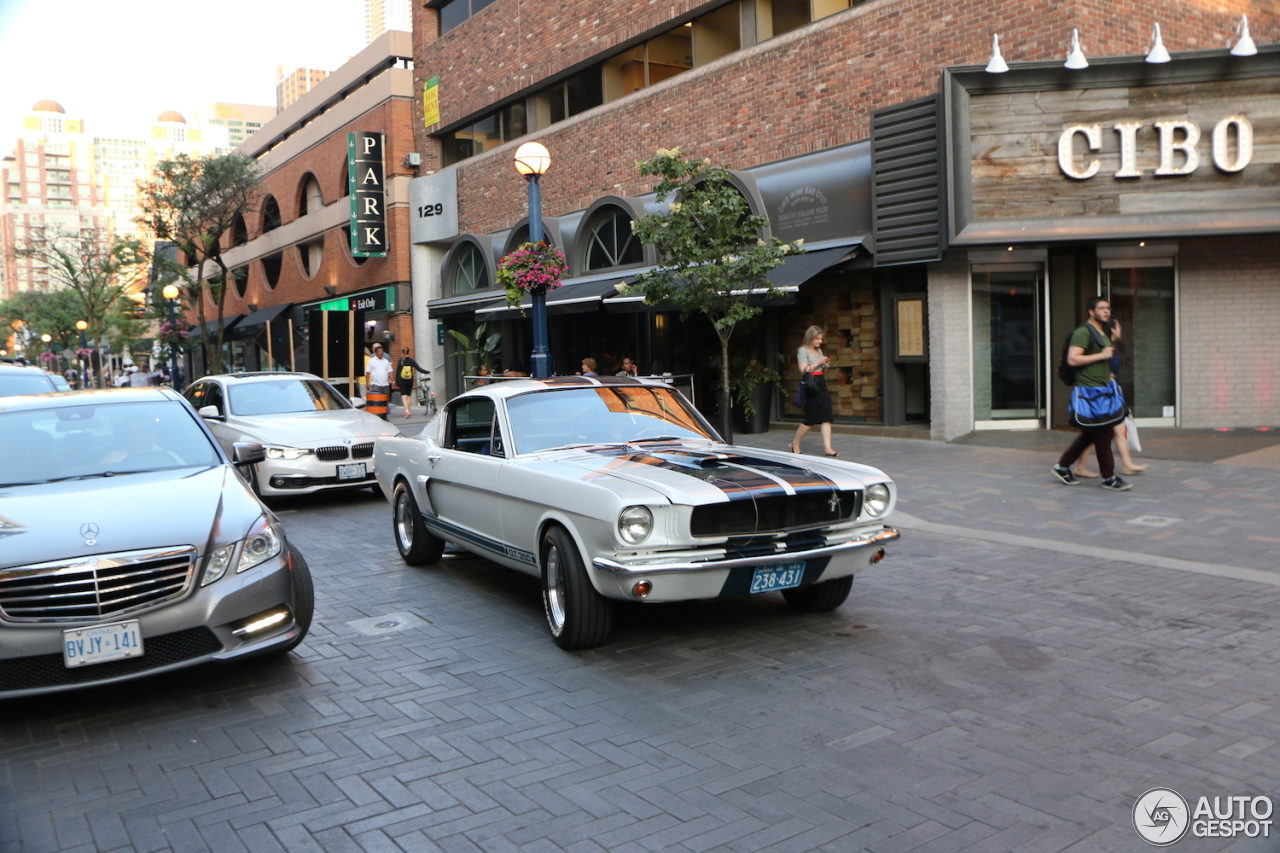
1087,474
1136,469
792,447
825,453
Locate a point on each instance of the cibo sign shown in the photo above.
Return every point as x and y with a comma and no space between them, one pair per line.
1179,147
366,182
1117,151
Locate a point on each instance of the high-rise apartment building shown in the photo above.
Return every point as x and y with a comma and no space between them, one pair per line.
59,176
240,120
383,15
293,86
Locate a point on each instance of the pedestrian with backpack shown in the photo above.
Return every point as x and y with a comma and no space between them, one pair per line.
1096,402
405,368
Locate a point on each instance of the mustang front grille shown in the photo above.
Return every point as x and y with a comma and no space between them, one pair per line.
748,516
331,454
93,588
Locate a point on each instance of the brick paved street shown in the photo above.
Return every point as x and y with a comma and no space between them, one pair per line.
972,695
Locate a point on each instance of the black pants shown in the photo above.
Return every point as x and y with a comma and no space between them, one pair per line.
1101,441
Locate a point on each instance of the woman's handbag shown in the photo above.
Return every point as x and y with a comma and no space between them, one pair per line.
810,383
1096,407
802,395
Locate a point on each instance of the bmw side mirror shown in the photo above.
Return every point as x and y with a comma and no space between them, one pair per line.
210,412
246,453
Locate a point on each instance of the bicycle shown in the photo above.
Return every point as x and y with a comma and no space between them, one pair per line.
426,397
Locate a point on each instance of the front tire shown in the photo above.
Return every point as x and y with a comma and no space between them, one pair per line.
578,616
417,545
819,597
304,600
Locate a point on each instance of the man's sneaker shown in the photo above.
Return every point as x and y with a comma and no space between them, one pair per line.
1065,475
1115,484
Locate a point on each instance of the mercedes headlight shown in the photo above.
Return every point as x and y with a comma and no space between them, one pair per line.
876,500
287,452
635,523
263,542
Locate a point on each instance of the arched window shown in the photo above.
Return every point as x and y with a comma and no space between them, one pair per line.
469,269
610,242
240,278
346,241
344,179
309,198
239,231
520,235
270,214
271,269
312,255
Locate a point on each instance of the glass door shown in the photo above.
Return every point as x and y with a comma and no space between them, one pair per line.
1142,297
1008,345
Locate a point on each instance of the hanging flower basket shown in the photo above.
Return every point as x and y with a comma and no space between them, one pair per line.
173,334
531,268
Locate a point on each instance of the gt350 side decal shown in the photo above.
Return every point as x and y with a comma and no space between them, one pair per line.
445,530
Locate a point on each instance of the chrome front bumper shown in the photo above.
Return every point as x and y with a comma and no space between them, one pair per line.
857,543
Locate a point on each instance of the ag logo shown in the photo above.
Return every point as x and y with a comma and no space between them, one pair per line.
1161,816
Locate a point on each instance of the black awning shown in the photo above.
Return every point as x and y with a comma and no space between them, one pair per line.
253,323
797,269
570,298
464,303
211,327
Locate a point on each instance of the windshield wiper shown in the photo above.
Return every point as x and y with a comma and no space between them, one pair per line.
656,438
85,476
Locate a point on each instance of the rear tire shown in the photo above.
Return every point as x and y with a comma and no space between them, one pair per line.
417,545
304,599
819,597
577,615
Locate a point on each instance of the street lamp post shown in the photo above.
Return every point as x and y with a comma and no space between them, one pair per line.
81,325
532,161
170,293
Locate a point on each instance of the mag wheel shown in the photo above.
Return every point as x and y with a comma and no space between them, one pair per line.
578,616
417,545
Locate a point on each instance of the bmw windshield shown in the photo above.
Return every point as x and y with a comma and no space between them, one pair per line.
283,397
103,440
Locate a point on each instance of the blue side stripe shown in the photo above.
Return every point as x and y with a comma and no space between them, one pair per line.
445,530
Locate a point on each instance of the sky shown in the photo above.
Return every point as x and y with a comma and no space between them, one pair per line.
139,58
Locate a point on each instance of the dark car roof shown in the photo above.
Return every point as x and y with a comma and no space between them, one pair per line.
30,402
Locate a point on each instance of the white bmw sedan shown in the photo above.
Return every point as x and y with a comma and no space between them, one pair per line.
315,437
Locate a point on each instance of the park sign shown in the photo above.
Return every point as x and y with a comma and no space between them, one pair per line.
366,184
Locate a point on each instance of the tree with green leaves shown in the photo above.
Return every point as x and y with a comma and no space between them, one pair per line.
34,313
193,202
98,267
713,253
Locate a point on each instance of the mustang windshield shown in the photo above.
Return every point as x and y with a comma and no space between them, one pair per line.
611,414
284,396
104,440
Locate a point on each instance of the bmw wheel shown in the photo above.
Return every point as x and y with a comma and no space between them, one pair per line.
578,616
417,545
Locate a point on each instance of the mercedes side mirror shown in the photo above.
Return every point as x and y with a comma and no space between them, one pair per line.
245,452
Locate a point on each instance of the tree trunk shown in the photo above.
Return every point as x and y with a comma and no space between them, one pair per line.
726,396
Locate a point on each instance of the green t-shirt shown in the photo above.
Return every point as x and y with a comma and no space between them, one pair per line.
1091,375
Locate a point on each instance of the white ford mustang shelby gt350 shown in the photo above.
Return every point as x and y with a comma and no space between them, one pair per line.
612,488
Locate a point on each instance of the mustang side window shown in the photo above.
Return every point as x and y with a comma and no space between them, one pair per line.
471,426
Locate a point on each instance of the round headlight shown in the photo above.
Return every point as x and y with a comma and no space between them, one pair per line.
876,500
635,523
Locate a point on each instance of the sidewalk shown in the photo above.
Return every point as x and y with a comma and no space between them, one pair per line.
1209,502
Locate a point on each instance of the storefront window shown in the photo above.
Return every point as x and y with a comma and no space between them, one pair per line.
1007,342
1142,302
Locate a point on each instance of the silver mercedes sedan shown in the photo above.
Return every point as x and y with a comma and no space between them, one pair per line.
129,545
618,490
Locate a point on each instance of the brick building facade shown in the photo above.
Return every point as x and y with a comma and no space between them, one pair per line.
765,84
292,255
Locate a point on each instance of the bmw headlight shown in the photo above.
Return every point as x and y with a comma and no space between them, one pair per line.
263,542
876,500
288,452
635,523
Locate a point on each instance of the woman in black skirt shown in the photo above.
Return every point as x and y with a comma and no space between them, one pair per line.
817,411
